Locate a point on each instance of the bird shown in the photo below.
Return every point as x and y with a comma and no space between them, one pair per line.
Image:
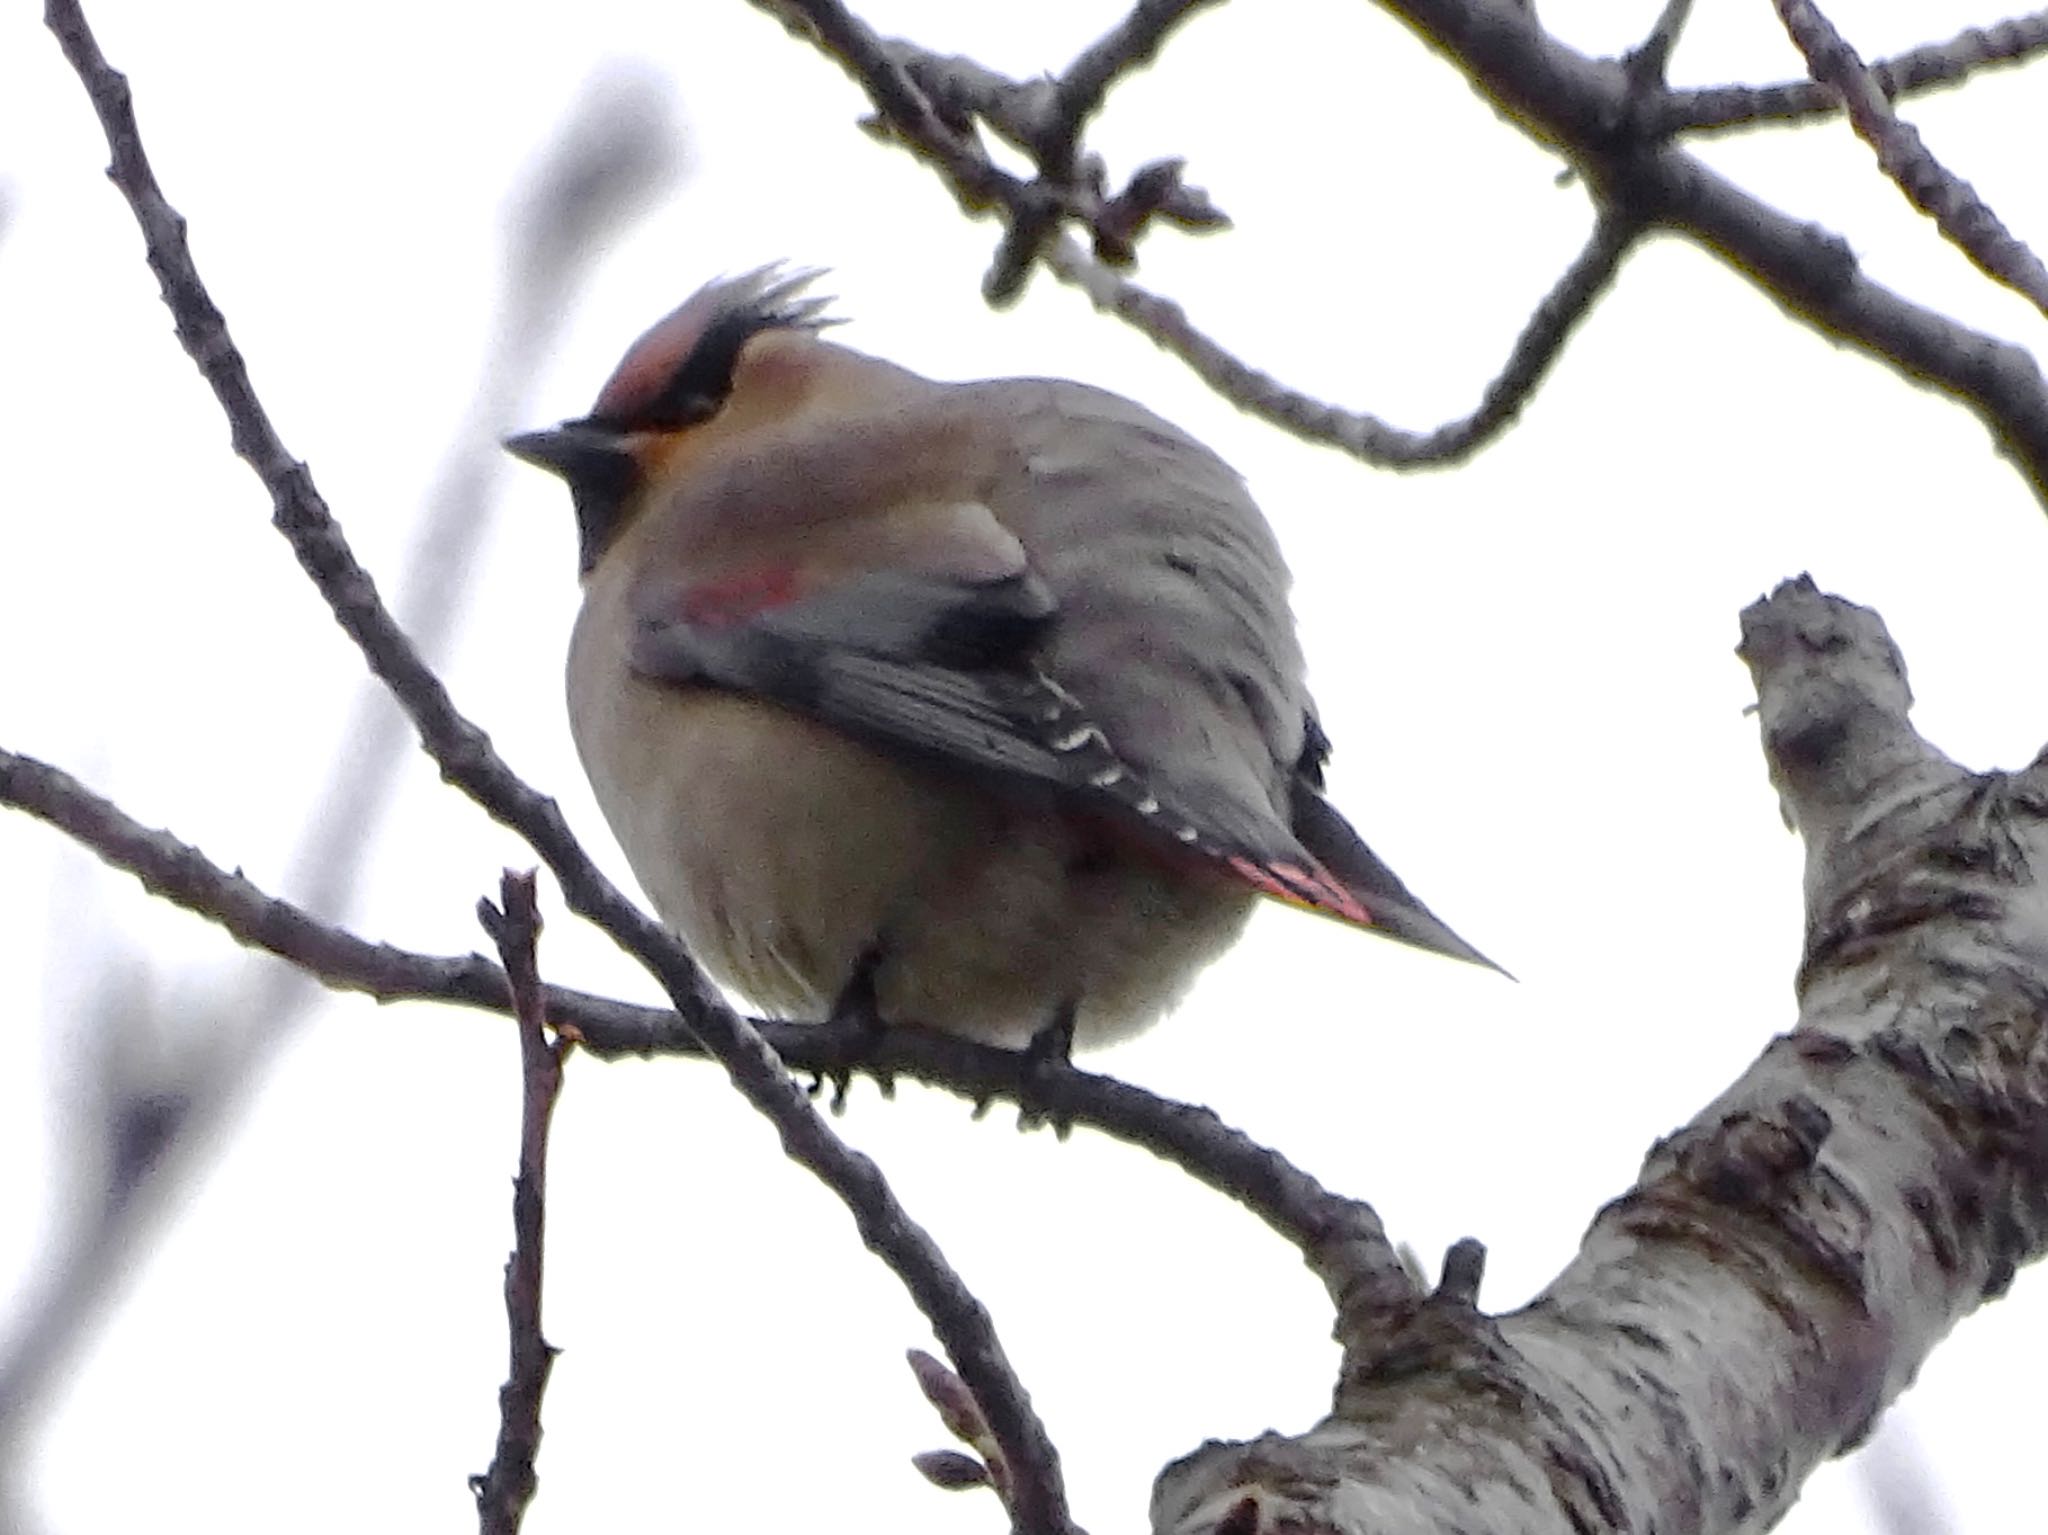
973,706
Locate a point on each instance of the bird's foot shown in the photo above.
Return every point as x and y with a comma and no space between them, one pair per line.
856,1022
1040,1065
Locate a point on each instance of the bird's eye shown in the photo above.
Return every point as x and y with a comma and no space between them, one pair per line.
681,372
702,382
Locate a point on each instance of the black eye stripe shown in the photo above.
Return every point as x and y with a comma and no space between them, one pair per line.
703,381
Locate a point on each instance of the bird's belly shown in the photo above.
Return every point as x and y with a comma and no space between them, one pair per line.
774,847
783,852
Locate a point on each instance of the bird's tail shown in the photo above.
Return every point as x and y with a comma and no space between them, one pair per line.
1389,909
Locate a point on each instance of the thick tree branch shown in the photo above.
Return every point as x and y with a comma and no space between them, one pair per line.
1936,66
1787,1260
1341,1239
1958,212
503,1491
467,759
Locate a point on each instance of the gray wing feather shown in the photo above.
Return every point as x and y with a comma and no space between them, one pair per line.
1176,629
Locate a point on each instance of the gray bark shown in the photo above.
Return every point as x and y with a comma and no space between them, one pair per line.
1787,1259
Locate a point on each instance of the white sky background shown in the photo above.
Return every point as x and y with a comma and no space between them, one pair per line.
1526,665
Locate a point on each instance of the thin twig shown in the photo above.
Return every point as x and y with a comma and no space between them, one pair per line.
503,1492
468,760
1130,43
1048,131
978,182
1958,212
1363,436
1650,61
928,104
1921,71
1076,96
1341,1239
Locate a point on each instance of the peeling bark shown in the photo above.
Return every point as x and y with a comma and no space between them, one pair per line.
1787,1259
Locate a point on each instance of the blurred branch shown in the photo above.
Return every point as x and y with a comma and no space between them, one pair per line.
159,1097
1936,66
468,760
609,160
1787,1261
503,1492
1341,1239
1958,212
1900,1488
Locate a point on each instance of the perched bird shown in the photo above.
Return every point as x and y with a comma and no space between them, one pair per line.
976,705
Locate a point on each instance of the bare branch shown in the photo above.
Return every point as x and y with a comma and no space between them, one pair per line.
1364,436
1131,43
977,181
617,150
1076,96
1958,212
1936,66
1802,1245
503,1492
467,759
1583,107
1341,1239
1595,112
929,104
1649,61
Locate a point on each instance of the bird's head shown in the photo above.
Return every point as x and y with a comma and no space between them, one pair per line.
740,352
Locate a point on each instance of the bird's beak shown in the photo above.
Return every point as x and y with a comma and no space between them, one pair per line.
581,452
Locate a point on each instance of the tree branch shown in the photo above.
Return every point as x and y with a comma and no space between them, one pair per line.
164,1080
1963,217
1650,60
1341,1239
1363,436
1786,1261
929,104
1076,96
467,759
1596,113
1584,106
503,1491
1936,66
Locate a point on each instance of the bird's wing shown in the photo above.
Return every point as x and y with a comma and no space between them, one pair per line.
949,669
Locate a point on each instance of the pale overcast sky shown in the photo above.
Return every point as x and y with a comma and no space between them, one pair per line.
1526,666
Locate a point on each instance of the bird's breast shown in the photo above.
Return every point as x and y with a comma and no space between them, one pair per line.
783,852
773,845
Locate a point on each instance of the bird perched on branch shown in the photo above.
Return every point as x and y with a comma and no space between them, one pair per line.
977,706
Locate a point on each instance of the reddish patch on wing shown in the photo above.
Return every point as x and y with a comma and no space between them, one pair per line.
733,599
1308,885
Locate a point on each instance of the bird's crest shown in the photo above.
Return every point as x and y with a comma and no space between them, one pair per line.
681,369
